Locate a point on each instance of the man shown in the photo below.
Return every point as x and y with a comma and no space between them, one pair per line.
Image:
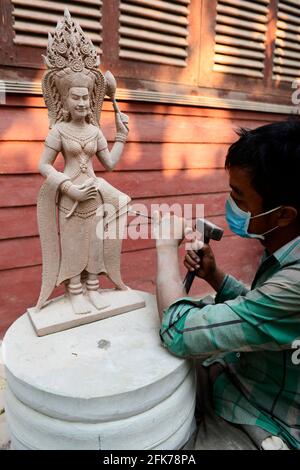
249,378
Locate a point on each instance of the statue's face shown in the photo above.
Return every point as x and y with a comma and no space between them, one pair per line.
78,102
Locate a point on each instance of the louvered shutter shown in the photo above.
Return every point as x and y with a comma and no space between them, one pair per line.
154,31
287,46
241,27
33,19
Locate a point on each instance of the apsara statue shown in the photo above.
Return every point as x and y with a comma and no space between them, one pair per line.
71,204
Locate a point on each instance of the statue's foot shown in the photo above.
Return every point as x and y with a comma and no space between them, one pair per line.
79,304
97,300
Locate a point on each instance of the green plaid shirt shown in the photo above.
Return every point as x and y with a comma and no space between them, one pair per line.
252,333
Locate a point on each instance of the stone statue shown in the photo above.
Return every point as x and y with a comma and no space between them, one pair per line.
72,204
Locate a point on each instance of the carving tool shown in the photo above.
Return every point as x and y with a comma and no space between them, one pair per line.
210,231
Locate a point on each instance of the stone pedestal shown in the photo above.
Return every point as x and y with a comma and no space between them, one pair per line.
58,314
105,385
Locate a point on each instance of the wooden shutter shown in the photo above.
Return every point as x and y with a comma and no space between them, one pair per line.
241,27
154,31
33,19
287,46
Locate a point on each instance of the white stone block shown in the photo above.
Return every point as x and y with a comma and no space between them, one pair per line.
108,384
58,314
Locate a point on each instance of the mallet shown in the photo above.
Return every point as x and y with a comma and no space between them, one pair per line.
210,231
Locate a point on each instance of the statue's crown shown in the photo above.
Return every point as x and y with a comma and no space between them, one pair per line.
70,48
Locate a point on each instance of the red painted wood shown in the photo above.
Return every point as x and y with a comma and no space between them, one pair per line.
175,155
18,222
18,252
19,157
147,128
22,190
213,203
138,270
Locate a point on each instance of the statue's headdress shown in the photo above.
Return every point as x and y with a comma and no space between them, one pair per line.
71,61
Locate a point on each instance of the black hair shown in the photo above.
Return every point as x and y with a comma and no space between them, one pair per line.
271,154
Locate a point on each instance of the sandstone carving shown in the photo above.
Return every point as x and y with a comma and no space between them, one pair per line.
72,204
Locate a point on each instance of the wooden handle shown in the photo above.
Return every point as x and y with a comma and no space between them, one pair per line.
188,280
190,275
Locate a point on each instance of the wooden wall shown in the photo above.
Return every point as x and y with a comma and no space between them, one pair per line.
174,154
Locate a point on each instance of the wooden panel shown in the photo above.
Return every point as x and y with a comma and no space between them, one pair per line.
21,252
24,62
286,65
33,20
240,37
146,45
23,157
17,253
7,49
175,155
154,31
22,285
234,84
137,184
148,128
18,222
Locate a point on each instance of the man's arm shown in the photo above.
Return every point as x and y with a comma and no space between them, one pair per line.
266,318
169,232
205,267
169,286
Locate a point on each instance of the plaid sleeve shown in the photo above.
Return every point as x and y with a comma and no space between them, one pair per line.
266,318
230,289
274,307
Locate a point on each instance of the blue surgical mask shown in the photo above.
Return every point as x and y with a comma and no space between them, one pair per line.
239,220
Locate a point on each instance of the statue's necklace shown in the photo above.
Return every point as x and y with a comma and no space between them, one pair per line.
81,140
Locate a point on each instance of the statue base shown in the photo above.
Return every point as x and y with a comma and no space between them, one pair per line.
57,314
107,385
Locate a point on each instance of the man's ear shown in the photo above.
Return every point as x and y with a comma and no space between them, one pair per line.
288,215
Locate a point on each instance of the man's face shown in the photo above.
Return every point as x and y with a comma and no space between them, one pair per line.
247,199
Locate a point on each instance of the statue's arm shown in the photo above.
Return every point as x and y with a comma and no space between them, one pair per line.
53,146
109,159
47,160
46,168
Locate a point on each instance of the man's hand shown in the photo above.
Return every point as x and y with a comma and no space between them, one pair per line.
204,264
169,230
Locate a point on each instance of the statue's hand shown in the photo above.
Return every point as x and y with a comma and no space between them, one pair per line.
122,121
83,192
